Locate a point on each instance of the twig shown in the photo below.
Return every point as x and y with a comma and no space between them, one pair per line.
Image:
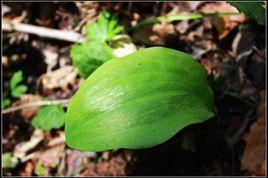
30,156
70,36
34,104
57,141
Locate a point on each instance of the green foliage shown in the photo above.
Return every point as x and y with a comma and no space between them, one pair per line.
138,101
104,29
16,89
5,103
254,10
40,170
49,117
95,51
8,161
89,56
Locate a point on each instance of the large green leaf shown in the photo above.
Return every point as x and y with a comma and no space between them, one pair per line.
254,10
138,101
49,117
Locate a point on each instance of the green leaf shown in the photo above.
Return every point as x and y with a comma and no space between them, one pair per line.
16,89
5,103
89,56
16,79
138,101
19,90
40,170
49,117
8,161
104,29
254,10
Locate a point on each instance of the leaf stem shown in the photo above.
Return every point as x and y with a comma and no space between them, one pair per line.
171,18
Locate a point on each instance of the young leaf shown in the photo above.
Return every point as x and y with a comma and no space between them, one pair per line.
16,89
19,90
5,103
16,79
40,170
89,56
104,29
254,10
8,161
138,101
49,117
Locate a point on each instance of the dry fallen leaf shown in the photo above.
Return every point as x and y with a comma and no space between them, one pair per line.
122,45
226,24
22,148
158,34
50,157
253,158
59,78
57,140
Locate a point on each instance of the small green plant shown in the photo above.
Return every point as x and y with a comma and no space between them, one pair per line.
138,101
15,88
40,170
95,51
89,56
49,117
9,161
5,102
105,29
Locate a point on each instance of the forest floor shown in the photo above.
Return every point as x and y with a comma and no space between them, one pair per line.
231,49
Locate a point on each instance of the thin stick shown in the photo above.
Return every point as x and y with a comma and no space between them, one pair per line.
34,104
70,36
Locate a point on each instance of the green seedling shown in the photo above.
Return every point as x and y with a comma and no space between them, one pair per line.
88,56
15,88
49,117
9,161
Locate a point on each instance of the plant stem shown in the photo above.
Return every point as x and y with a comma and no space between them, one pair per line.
171,18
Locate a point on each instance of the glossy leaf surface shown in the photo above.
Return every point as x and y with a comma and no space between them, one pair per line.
138,101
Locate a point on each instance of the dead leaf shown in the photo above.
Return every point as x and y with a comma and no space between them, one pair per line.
59,78
28,170
22,148
122,45
115,166
50,57
226,24
253,158
158,34
50,157
58,140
